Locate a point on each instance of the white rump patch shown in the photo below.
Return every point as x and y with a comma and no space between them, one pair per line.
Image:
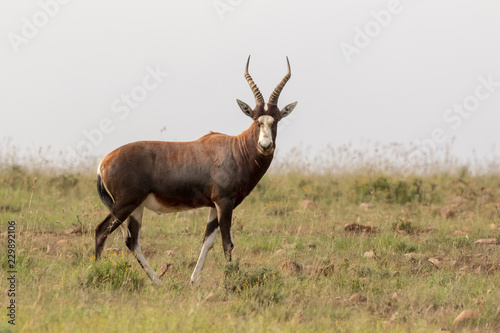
103,182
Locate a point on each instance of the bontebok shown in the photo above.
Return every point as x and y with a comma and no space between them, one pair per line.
216,171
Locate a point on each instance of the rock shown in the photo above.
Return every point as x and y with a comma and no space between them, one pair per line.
149,252
447,212
359,228
365,206
311,245
166,267
279,252
290,267
317,271
438,262
357,298
369,254
465,316
311,269
487,241
76,229
308,204
51,248
170,253
412,256
114,251
326,270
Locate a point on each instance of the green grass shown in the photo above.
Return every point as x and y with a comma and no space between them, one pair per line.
65,290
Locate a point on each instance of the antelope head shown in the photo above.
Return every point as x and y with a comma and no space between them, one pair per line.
266,115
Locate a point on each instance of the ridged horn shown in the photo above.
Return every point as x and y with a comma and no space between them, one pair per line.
276,93
256,92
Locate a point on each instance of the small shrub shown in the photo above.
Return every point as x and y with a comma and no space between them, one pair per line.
404,226
394,191
263,285
115,272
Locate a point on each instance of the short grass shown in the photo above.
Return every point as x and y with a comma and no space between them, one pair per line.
295,266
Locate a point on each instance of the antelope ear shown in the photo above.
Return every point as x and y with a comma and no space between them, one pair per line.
245,108
288,109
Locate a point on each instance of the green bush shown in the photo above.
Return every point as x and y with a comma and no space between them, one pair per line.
115,272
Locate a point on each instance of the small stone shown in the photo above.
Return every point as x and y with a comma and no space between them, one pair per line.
369,254
487,241
412,256
359,228
149,252
465,316
436,262
311,245
76,229
280,252
114,251
166,267
365,206
357,298
308,204
51,248
327,270
291,267
447,212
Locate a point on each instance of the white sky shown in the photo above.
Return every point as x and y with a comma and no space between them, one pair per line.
428,56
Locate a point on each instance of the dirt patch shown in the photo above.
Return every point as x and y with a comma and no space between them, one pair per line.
356,228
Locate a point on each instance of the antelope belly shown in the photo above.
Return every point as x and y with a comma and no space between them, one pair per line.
160,207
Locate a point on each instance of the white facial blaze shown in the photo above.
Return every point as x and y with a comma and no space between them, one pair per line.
265,133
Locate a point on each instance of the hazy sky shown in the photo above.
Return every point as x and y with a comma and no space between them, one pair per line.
89,76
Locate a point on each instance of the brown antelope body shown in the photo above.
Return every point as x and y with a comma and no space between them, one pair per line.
216,171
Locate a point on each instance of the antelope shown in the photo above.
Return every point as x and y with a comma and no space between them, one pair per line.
216,171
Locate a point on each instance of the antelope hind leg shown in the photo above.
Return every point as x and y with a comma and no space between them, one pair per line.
132,242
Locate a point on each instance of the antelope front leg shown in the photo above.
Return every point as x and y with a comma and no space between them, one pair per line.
225,210
208,242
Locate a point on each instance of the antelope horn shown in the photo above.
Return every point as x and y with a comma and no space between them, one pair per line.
276,93
256,92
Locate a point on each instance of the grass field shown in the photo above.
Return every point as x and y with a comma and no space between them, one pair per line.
350,252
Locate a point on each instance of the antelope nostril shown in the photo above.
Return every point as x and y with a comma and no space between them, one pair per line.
266,147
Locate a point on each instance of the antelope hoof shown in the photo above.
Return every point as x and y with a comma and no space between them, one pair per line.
156,282
194,279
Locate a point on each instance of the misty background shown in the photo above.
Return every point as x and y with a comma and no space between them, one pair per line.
367,73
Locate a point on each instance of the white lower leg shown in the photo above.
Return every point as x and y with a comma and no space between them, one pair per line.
207,245
144,263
